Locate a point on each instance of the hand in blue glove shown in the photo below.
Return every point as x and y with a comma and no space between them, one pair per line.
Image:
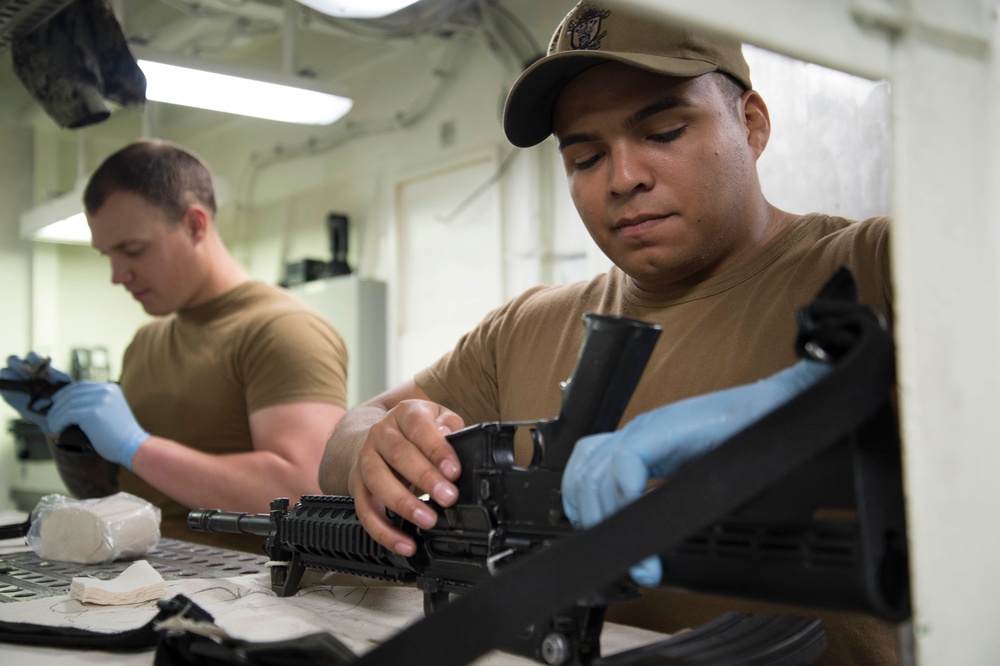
609,470
101,412
22,369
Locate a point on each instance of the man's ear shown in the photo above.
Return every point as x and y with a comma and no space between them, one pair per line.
757,121
196,221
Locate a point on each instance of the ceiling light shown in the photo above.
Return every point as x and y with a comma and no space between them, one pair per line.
362,9
58,220
285,98
72,229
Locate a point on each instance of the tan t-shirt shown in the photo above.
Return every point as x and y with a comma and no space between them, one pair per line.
196,376
732,329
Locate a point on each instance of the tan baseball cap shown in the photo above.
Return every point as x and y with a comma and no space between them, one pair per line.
593,33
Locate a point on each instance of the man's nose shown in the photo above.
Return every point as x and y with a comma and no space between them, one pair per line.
120,273
630,171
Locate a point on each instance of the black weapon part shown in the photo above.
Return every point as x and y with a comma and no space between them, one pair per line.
40,391
85,473
612,358
15,530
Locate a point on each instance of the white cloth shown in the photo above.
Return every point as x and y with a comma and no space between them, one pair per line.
139,582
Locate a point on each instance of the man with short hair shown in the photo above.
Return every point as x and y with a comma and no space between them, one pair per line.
659,130
227,399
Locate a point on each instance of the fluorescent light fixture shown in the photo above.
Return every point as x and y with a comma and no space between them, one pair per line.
72,229
362,9
289,99
59,220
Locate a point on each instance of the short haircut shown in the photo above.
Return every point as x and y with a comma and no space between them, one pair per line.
161,172
730,87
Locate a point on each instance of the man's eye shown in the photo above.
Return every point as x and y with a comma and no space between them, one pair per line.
587,163
667,137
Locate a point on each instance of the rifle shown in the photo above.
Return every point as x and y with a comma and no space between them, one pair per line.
783,544
85,473
503,513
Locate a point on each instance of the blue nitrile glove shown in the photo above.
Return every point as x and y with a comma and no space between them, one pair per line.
21,369
609,470
99,408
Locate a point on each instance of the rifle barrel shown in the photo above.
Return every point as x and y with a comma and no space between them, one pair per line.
229,522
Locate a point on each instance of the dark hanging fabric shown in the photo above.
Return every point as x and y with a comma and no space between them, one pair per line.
76,62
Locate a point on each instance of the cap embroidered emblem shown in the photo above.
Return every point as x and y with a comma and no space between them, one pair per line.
585,31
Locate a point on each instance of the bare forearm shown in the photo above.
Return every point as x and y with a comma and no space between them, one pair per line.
234,482
342,449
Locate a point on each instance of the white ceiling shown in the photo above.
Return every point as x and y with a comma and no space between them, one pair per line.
274,36
369,61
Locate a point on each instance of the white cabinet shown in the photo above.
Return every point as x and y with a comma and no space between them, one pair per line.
357,308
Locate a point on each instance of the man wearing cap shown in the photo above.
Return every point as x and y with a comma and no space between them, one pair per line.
659,131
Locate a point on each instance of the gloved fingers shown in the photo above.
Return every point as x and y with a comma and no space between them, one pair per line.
577,461
647,573
16,369
620,478
25,368
594,486
33,360
629,474
70,404
17,401
752,401
668,437
571,511
794,379
22,401
569,499
587,467
665,463
101,411
13,398
608,498
575,474
664,439
589,503
54,375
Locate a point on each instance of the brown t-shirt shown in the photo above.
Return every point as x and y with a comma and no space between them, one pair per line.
735,328
196,376
732,329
